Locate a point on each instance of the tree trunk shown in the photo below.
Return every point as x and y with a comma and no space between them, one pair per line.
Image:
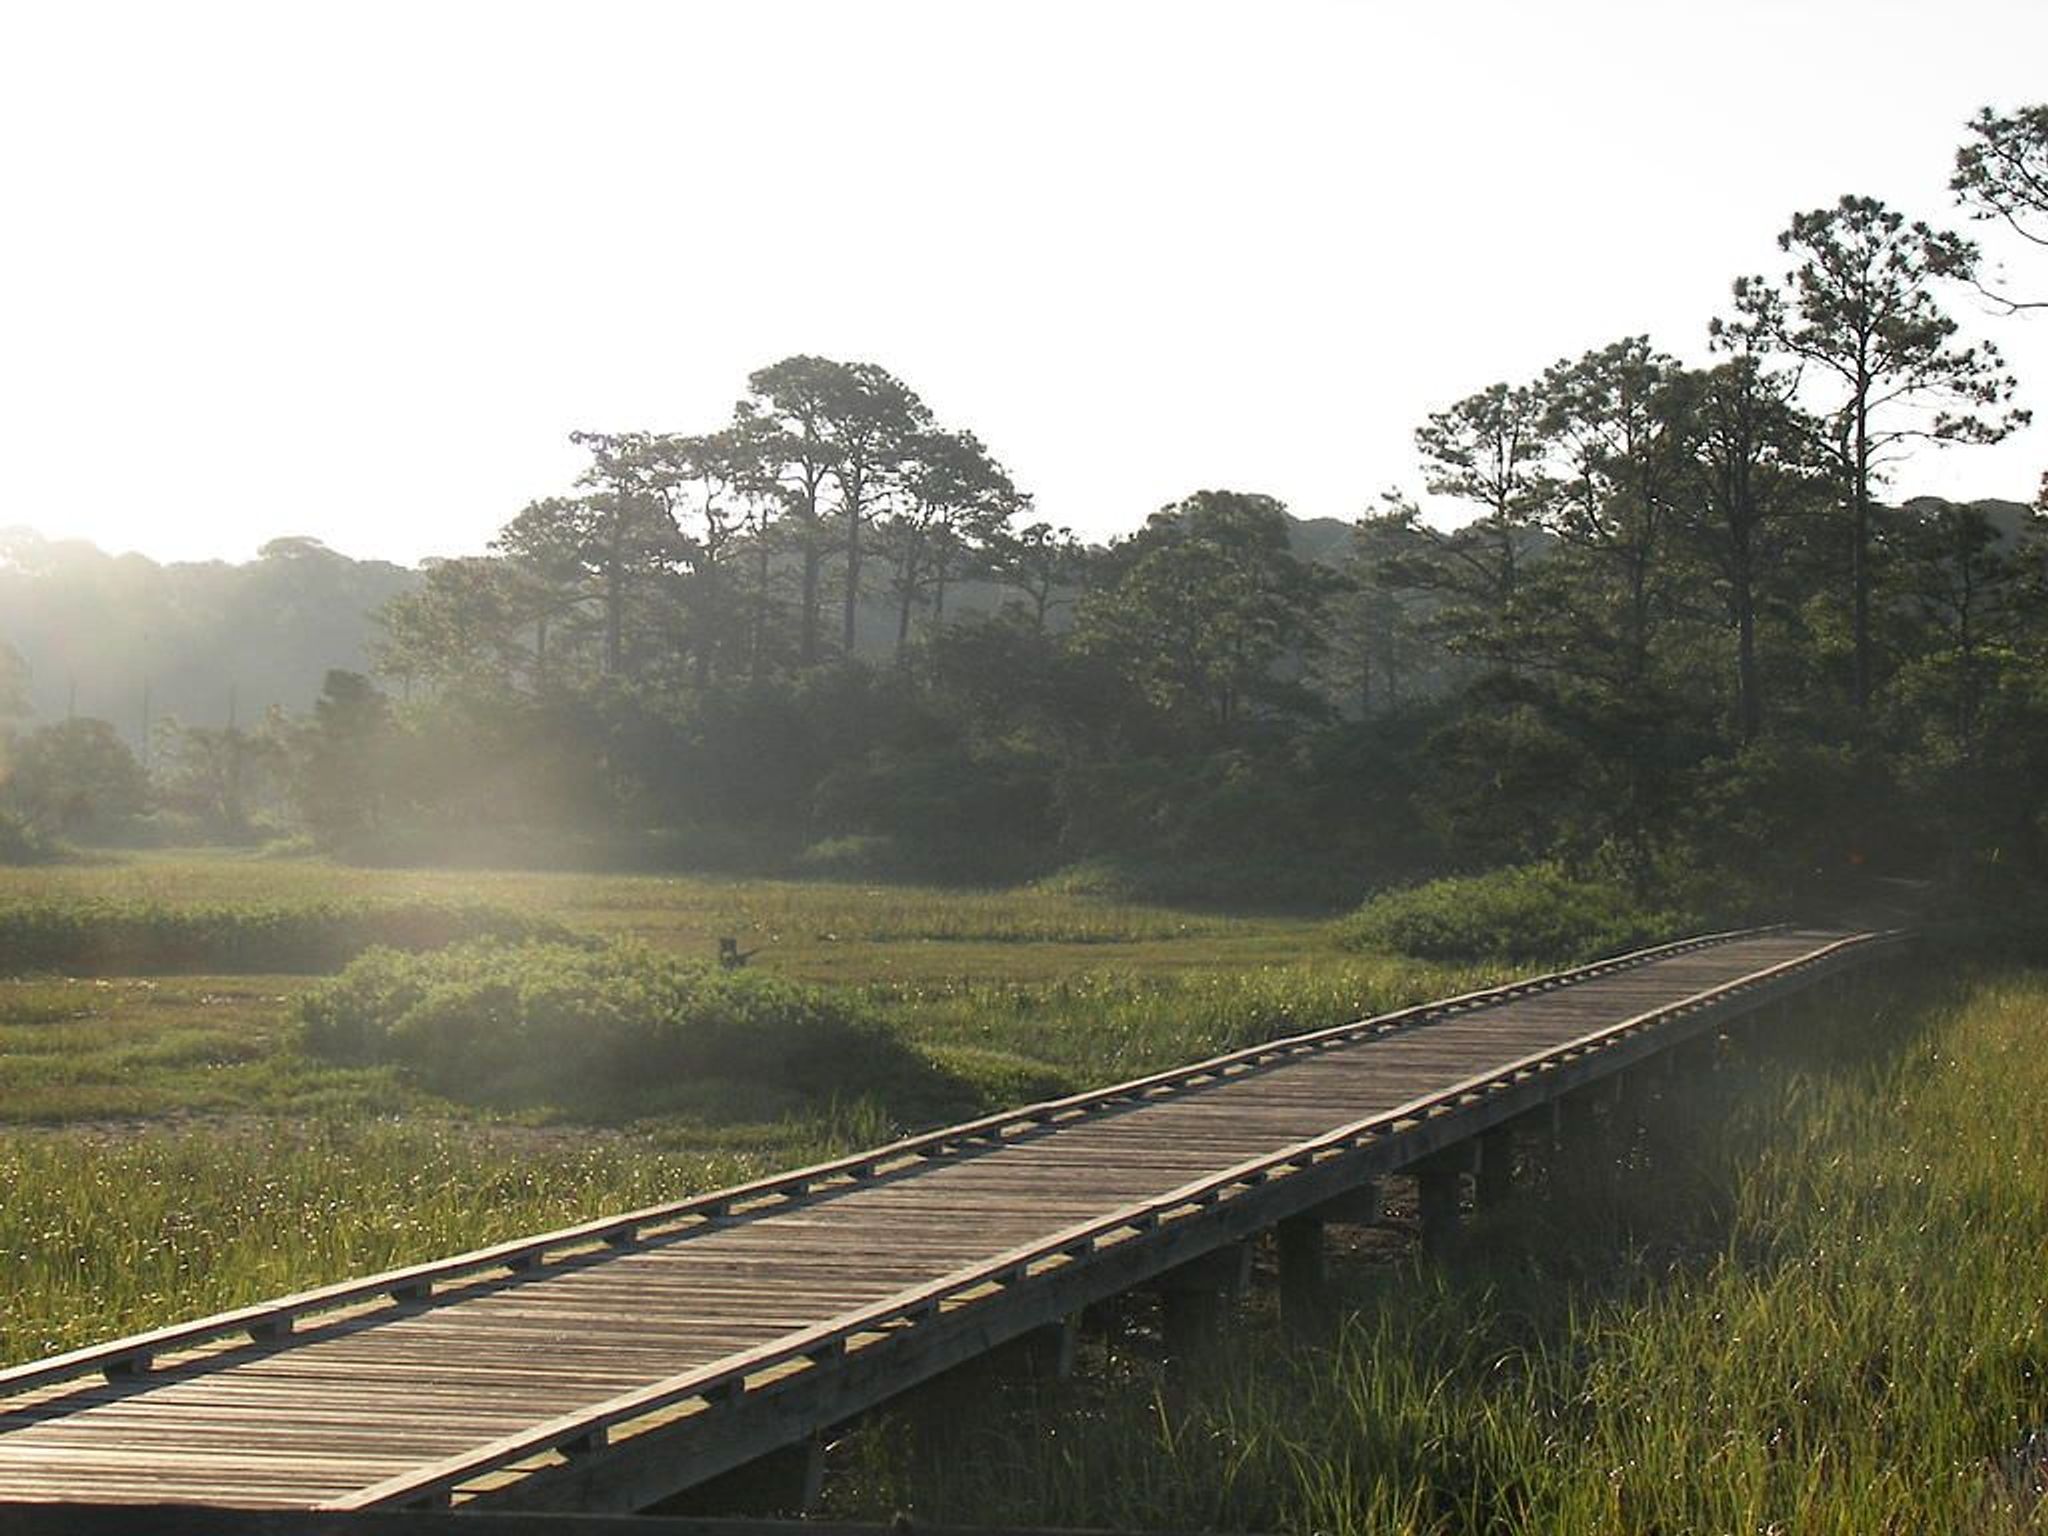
814,561
1638,619
855,516
757,652
1748,708
708,637
1859,554
614,617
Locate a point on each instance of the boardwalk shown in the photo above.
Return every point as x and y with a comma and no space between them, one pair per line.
611,1364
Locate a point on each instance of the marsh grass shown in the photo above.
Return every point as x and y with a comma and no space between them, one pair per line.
167,1148
102,935
782,919
111,1230
133,1048
1102,1026
1813,1298
1008,995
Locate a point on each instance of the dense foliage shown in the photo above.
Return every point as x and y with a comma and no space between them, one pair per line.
21,843
563,1023
1535,913
1679,635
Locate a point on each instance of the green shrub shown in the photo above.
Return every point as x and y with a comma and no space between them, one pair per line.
853,856
623,1025
1247,884
109,937
1535,913
20,843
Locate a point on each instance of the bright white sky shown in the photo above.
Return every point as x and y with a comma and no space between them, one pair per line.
355,269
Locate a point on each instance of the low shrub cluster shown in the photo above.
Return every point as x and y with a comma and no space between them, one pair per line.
1535,913
621,1025
1263,885
20,843
94,936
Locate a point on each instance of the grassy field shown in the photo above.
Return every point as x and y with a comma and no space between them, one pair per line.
167,1149
816,931
1817,1301
1813,1297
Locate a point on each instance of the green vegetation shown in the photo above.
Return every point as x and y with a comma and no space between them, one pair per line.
1678,633
20,843
618,1026
257,1165
133,1049
1658,619
1022,1040
1535,913
811,930
109,936
1808,1297
108,1231
1000,994
1814,1298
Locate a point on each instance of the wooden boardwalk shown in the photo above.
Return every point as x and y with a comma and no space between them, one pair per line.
608,1365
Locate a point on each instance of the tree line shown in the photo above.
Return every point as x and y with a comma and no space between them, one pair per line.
745,552
1679,636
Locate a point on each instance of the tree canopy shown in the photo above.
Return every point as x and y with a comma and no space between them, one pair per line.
1661,620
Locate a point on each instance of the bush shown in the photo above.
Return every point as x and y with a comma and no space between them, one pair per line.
98,937
20,843
1535,913
1271,884
621,1024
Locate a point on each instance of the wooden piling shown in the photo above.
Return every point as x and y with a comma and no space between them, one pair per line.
1304,1279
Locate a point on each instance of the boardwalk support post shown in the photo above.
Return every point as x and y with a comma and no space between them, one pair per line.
812,1494
1304,1290
1575,1121
1360,1207
788,1481
1439,1185
1632,1105
1495,1179
1049,1352
1195,1298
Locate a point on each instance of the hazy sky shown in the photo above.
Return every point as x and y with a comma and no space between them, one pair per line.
354,270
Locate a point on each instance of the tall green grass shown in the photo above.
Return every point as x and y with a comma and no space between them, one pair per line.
1026,1039
811,930
108,935
110,1232
1813,1298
